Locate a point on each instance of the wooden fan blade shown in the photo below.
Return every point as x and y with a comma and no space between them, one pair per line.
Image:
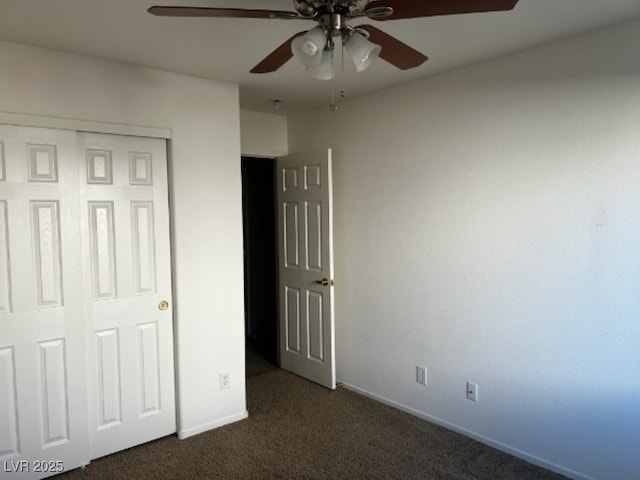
277,58
219,12
432,8
394,51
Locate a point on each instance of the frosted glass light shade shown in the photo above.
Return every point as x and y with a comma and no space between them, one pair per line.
308,48
324,70
361,51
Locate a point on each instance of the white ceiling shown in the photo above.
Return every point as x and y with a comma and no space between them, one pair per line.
226,49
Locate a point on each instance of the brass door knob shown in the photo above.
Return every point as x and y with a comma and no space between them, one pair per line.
163,305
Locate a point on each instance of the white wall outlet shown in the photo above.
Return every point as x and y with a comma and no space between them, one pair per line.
472,391
225,380
421,375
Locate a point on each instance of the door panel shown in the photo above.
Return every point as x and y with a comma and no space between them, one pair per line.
316,330
9,434
102,240
313,236
53,390
131,383
306,259
5,283
290,236
109,412
43,411
292,316
46,239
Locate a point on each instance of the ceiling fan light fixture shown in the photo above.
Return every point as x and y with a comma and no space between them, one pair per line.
362,51
308,48
324,70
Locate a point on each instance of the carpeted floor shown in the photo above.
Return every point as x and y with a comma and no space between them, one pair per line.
298,430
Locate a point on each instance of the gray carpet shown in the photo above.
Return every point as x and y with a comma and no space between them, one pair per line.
299,430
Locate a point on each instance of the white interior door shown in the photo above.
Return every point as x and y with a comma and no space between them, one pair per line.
305,250
127,262
43,410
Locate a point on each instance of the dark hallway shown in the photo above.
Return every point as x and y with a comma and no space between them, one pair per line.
260,264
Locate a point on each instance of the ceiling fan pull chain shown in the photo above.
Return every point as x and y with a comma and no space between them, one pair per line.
333,106
342,92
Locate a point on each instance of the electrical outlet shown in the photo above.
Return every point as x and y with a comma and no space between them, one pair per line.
472,391
421,375
225,380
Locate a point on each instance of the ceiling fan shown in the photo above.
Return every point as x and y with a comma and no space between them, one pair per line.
363,43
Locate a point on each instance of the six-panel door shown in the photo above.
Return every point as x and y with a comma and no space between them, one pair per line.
127,262
306,266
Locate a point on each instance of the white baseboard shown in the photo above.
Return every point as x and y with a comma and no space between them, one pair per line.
487,441
190,432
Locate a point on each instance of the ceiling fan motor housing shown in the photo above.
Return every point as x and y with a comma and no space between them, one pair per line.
316,9
334,23
305,8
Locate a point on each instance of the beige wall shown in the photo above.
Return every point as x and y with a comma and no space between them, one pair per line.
203,118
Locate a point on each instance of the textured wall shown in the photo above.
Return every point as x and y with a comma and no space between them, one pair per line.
486,226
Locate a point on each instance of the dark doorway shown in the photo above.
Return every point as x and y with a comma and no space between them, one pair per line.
260,267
